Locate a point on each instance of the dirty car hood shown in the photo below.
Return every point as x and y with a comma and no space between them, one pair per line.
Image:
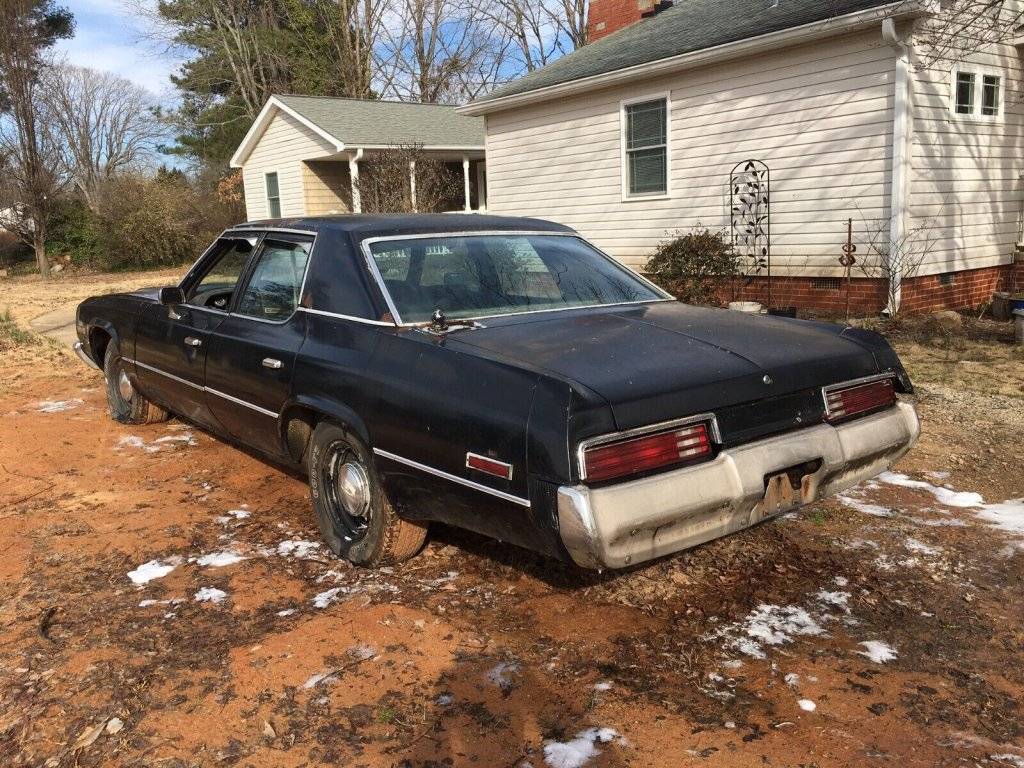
665,360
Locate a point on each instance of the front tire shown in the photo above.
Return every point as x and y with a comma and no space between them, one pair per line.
356,519
127,405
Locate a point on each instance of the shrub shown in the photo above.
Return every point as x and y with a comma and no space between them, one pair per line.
695,265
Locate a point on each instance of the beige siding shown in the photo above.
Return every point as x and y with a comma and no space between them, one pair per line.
965,194
328,187
283,147
819,115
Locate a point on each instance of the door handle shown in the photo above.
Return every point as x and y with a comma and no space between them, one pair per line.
192,341
269,362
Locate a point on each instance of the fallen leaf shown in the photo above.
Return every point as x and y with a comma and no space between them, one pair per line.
89,736
114,725
268,730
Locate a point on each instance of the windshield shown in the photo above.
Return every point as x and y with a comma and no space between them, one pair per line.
481,275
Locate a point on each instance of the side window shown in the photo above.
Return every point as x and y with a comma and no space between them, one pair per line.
646,148
220,277
273,196
273,289
976,94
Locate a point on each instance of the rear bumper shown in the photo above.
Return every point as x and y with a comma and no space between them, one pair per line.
629,523
80,351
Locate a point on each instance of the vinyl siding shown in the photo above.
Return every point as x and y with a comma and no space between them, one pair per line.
328,187
964,206
819,115
282,148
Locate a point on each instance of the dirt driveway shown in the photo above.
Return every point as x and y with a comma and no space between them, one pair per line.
163,602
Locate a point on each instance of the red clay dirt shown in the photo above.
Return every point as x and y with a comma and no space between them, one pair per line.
475,653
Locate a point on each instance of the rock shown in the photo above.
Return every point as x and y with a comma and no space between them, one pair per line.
56,268
948,320
268,730
3,273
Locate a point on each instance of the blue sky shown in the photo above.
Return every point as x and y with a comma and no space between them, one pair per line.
113,35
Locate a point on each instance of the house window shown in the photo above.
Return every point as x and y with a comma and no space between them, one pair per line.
976,94
273,196
646,148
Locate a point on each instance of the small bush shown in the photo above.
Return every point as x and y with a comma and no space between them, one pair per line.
11,336
694,266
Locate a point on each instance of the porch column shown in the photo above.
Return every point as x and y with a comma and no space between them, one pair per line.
412,185
353,175
465,181
481,187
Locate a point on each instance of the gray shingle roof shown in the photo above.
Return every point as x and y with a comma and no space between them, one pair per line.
359,122
687,27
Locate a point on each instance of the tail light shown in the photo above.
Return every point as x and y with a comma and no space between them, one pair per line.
847,401
635,455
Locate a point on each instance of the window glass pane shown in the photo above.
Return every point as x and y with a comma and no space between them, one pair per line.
272,190
990,95
964,93
273,197
647,171
645,124
273,290
221,277
503,274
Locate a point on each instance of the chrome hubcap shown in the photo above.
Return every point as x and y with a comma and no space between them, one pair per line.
124,387
353,488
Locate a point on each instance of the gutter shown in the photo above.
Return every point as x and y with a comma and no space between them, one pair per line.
751,45
902,132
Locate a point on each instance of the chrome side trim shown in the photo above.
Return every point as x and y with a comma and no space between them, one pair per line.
665,426
454,478
371,265
80,351
238,401
338,316
192,384
164,373
852,383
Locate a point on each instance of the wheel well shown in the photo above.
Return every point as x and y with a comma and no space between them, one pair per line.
299,423
98,341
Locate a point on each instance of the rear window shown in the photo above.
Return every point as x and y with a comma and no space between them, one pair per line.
468,276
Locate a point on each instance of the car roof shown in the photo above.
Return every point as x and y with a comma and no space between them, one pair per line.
362,227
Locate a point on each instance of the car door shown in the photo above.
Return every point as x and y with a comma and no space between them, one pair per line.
251,355
171,341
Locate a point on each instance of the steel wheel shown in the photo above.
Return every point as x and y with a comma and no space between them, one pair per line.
346,485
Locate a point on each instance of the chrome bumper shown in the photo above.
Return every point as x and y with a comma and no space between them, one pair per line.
80,351
629,523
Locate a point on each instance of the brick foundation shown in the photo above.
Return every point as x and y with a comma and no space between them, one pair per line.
952,290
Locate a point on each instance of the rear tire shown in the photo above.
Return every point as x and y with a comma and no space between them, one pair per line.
356,519
127,405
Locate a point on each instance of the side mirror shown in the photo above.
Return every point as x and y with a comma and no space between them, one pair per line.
172,295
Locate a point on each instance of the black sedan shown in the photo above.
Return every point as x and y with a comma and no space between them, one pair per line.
502,375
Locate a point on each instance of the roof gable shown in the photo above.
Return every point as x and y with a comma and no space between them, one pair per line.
361,123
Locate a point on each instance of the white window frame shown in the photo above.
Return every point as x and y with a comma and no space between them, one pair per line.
980,73
266,193
627,197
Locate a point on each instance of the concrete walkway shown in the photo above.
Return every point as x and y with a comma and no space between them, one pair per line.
58,324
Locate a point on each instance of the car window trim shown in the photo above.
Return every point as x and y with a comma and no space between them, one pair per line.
245,268
251,269
371,265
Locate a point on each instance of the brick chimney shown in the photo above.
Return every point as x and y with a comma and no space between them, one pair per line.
607,16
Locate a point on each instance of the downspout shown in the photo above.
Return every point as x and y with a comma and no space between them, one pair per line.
901,148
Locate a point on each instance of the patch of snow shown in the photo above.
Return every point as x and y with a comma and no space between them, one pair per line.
219,559
131,441
444,700
186,438
1008,516
362,652
604,685
878,651
837,599
862,506
58,406
841,581
319,677
1015,760
580,750
501,674
792,679
807,705
732,664
154,569
302,550
324,599
919,546
210,595
148,603
286,612
772,625
937,475
239,514
943,495
951,522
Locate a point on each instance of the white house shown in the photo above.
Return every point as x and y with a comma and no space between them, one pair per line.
303,153
634,136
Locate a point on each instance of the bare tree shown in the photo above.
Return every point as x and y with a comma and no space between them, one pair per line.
106,122
965,27
29,151
401,179
895,261
539,31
